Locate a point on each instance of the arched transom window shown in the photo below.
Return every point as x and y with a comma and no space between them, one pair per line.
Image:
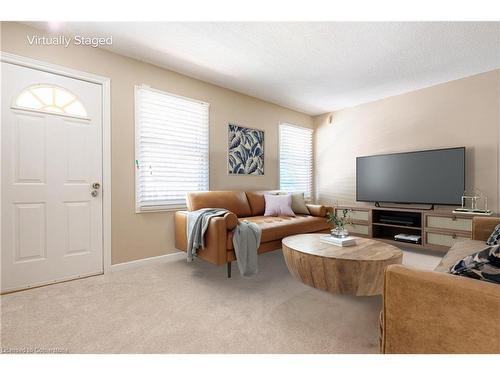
50,98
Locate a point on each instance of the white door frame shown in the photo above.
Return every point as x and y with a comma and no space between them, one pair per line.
106,136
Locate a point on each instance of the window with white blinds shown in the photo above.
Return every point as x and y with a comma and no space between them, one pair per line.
171,149
296,159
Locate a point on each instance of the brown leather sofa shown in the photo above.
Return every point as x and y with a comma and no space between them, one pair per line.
249,206
435,312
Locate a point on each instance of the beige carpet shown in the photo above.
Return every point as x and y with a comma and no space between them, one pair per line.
178,307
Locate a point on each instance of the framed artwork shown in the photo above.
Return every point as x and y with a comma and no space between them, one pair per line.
245,150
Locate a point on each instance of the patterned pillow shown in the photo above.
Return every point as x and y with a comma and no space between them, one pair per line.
494,238
483,265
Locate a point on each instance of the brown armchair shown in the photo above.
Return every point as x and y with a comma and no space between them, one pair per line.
435,312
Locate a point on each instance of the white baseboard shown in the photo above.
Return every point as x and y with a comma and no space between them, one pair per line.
147,261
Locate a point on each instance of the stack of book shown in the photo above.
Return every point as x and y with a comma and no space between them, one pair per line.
346,241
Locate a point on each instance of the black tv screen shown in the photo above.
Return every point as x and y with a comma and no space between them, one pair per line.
427,177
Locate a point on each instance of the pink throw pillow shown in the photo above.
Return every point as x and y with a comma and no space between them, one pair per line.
278,205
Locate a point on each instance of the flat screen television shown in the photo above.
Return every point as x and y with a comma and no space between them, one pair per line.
423,177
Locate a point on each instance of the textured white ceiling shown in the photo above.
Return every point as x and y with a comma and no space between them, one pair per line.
312,67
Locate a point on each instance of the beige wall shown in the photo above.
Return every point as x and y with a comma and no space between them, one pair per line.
464,112
136,236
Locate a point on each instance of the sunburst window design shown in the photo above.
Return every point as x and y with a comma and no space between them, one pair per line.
50,98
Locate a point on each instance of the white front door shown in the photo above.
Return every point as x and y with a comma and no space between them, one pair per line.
51,157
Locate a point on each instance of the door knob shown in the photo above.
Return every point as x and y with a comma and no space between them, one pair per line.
96,185
94,193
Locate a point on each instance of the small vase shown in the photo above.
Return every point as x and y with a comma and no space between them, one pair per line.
339,232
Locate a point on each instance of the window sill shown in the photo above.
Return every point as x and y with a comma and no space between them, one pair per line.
143,210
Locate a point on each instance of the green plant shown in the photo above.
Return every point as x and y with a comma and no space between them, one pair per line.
341,220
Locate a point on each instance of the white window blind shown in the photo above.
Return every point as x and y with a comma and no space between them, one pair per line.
296,159
171,149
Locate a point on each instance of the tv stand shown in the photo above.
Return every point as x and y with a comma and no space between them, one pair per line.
388,223
438,228
378,205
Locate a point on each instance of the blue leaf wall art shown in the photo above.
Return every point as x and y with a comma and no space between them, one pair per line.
245,150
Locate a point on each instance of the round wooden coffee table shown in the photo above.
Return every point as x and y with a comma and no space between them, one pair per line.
357,269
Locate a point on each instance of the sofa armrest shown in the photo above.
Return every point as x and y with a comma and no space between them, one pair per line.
433,312
318,210
482,227
215,250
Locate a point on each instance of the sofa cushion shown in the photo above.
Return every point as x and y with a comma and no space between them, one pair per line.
278,205
459,250
299,204
257,202
276,228
234,201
